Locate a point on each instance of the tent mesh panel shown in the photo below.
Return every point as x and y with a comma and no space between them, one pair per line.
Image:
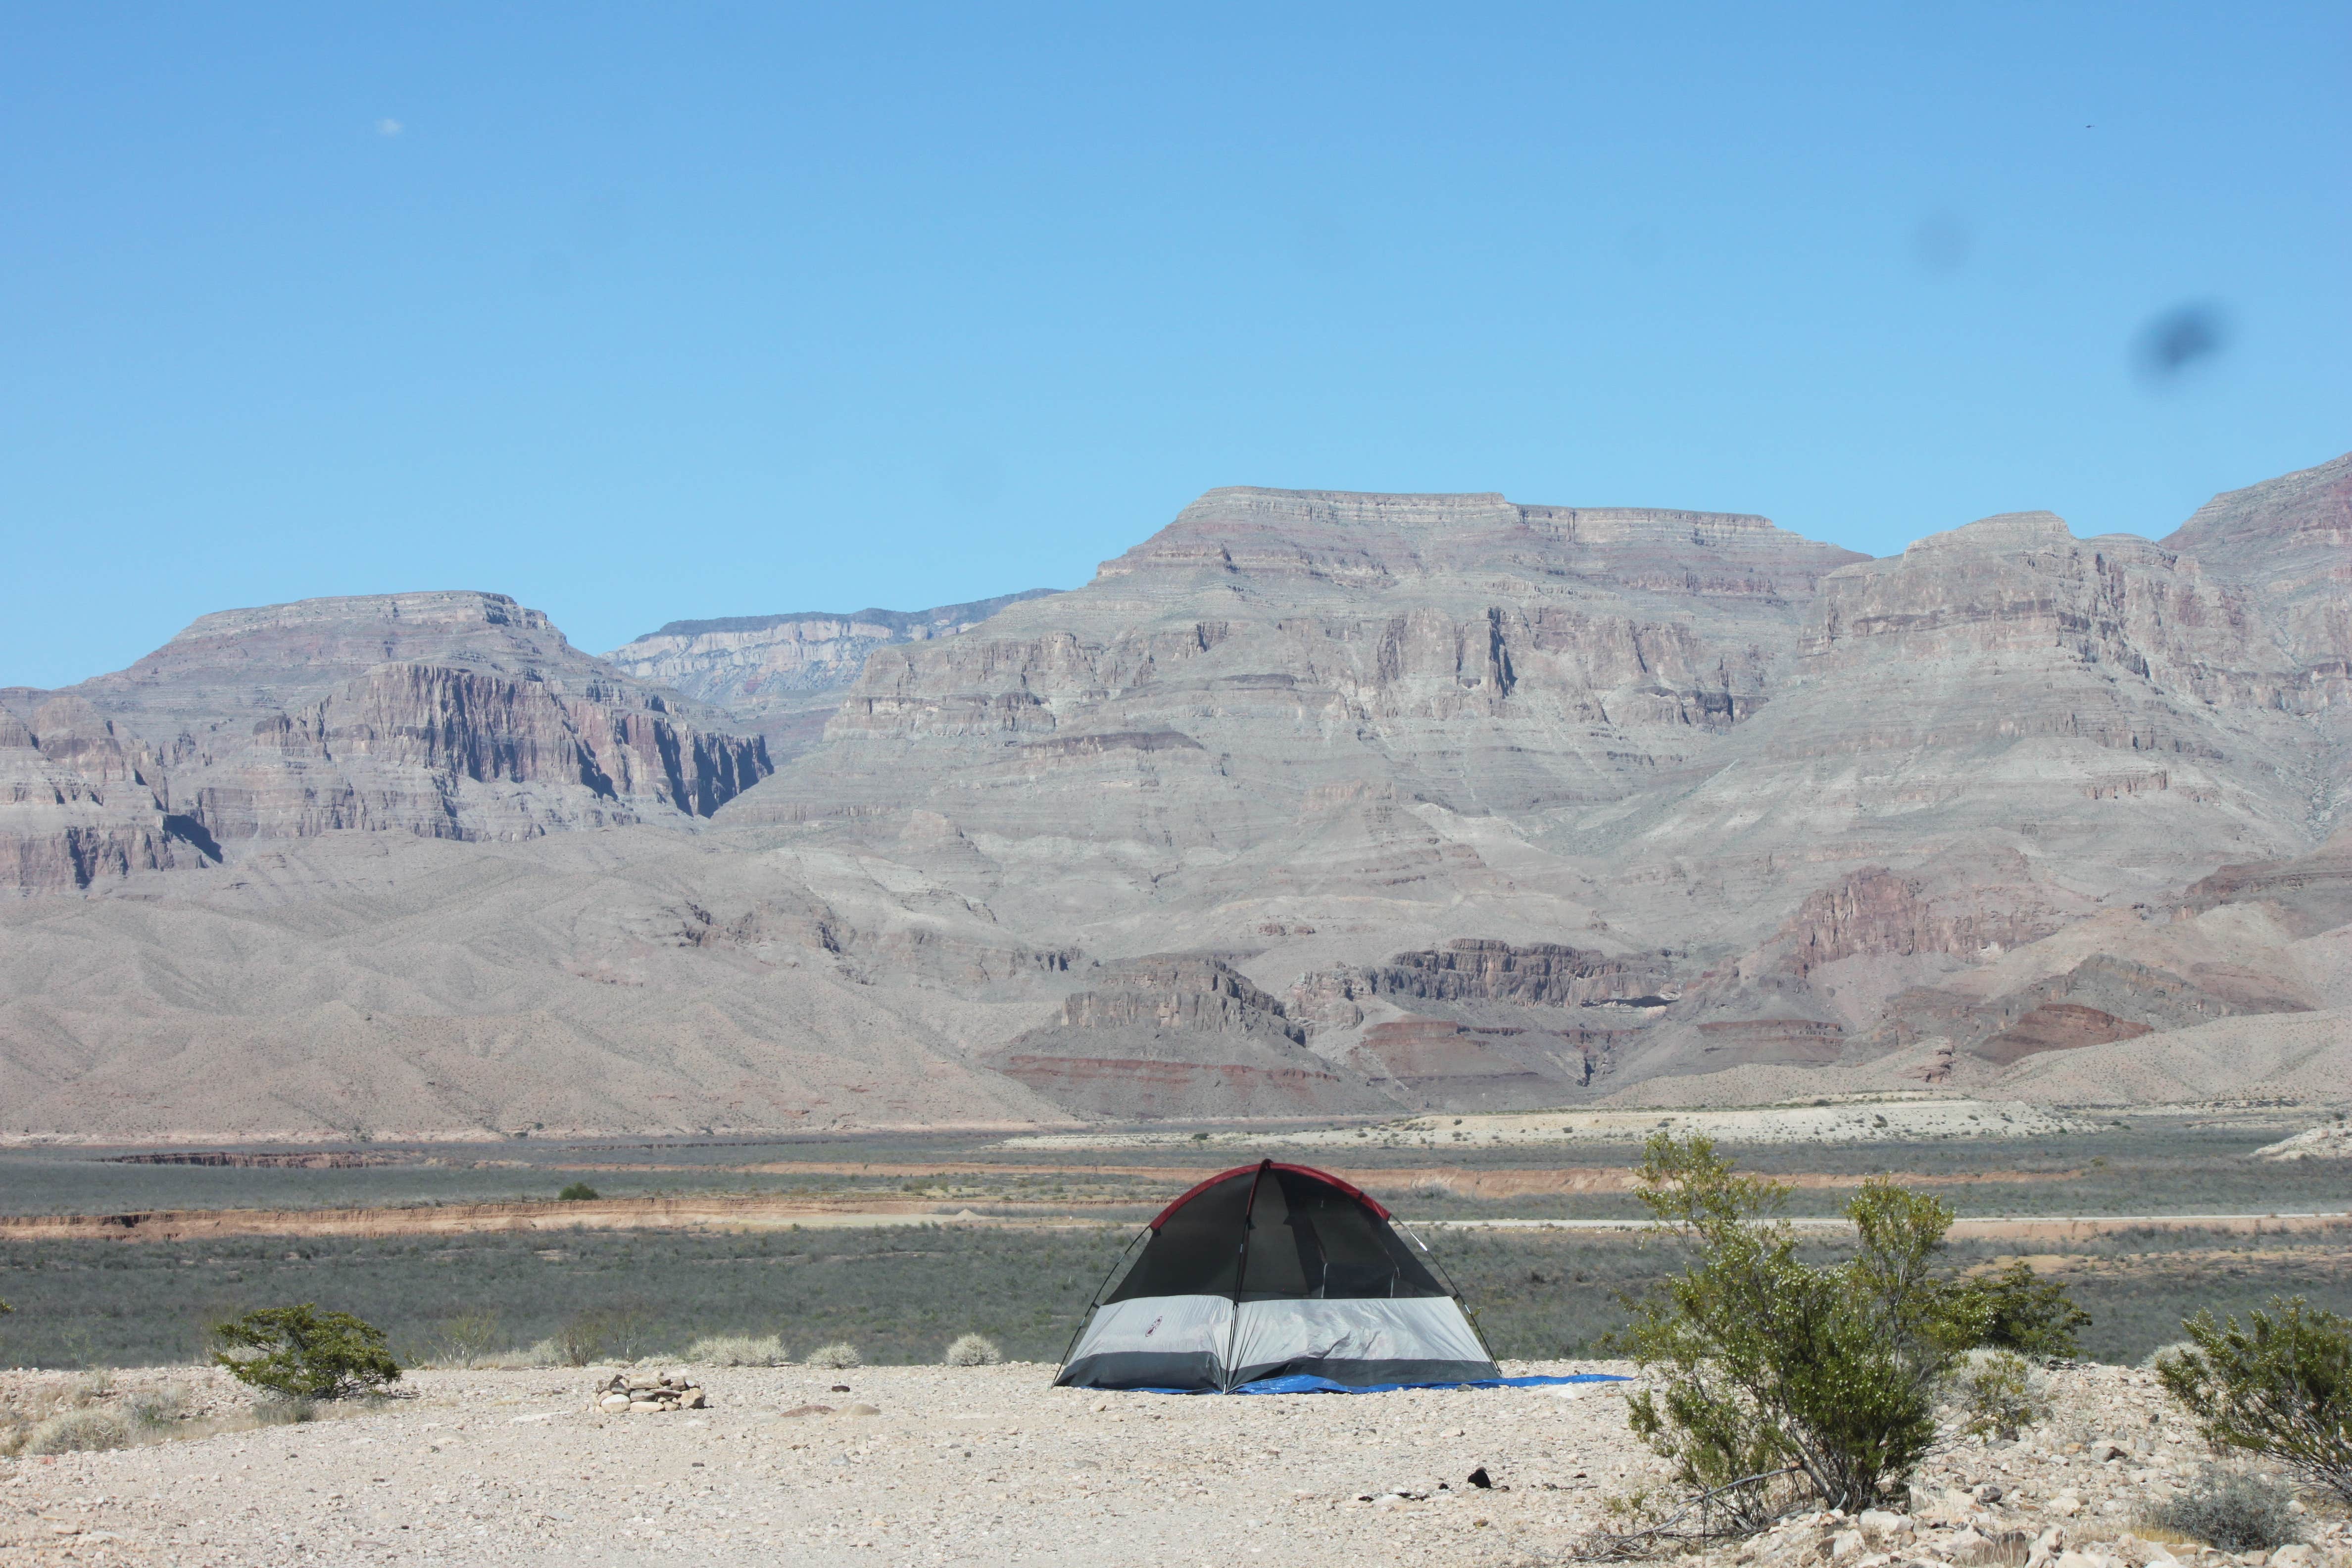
1307,1239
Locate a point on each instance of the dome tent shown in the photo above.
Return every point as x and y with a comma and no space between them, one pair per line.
1276,1271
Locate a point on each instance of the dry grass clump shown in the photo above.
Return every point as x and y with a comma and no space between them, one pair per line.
836,1357
89,1431
64,1419
738,1349
974,1350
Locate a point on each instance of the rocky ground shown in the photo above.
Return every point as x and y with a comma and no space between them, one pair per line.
989,1465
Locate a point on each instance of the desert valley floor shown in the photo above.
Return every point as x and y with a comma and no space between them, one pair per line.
898,1245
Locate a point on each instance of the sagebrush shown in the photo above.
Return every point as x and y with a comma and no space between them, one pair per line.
2233,1510
836,1357
974,1350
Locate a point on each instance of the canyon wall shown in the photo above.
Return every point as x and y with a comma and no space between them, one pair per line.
1312,804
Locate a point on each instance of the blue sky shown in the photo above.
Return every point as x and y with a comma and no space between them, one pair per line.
646,312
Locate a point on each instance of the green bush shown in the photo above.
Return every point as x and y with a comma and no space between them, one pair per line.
2280,1387
2232,1511
2023,1312
1771,1364
300,1353
577,1193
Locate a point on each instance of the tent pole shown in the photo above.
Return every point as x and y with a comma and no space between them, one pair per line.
1241,1268
1460,1300
1096,1300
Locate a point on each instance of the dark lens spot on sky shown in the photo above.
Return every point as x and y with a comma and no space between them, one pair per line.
1941,243
2175,340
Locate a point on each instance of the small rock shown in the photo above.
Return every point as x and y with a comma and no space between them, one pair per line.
1986,1493
2066,1505
857,1410
1845,1544
1882,1522
2296,1556
615,1402
810,1410
2079,1560
1480,1478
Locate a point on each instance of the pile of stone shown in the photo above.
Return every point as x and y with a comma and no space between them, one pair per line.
641,1394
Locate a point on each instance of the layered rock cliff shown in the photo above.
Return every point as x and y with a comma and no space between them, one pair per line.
78,802
451,715
1178,1035
1312,804
1299,724
781,676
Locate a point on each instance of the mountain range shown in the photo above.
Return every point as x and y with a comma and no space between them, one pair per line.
1312,804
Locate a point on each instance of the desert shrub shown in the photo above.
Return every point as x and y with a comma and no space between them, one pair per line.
2148,1362
1999,1395
738,1349
1771,1364
79,1432
465,1341
300,1353
2022,1311
836,1357
2232,1510
578,1193
608,1333
2280,1387
974,1350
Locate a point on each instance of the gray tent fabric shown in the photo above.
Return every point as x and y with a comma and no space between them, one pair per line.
1275,1270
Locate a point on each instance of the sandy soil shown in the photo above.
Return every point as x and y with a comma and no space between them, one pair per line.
932,1465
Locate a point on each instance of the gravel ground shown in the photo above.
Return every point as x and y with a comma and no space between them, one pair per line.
987,1464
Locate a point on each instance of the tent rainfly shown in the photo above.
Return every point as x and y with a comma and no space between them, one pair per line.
1273,1270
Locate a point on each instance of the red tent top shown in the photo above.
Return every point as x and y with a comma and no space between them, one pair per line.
1323,1176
